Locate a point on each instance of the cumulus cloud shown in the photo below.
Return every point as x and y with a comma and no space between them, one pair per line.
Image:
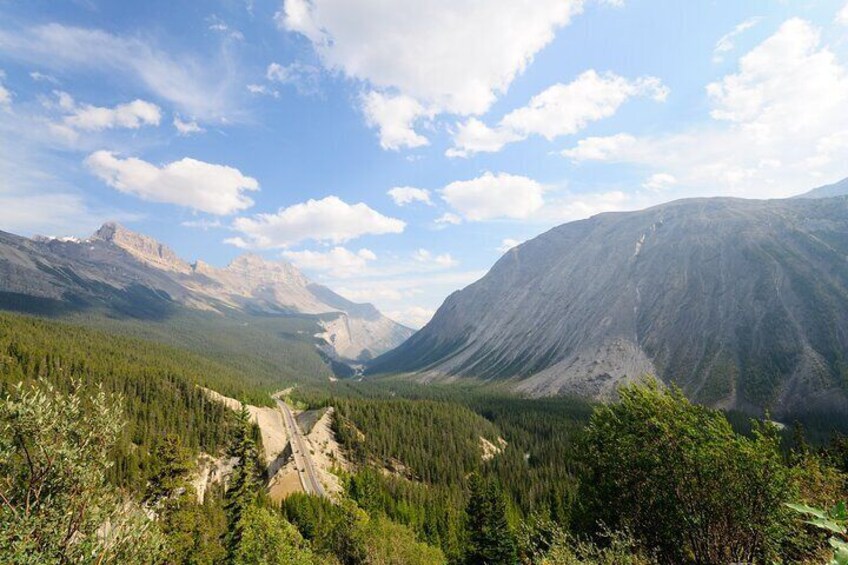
491,196
778,125
200,88
403,195
186,127
422,52
304,78
206,187
394,117
448,219
607,148
577,206
659,181
842,17
86,117
727,42
562,109
338,261
327,220
443,260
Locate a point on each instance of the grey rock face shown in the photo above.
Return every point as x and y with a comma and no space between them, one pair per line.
742,303
135,275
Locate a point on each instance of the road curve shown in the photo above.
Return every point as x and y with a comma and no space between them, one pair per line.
302,457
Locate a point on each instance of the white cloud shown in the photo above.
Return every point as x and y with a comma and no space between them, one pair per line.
659,181
327,220
577,206
42,77
305,78
186,127
414,316
443,260
842,17
778,125
562,109
508,244
726,43
200,88
206,187
85,117
338,261
494,196
403,195
394,117
601,148
423,52
448,219
263,90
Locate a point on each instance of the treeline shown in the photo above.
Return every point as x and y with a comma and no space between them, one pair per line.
157,385
650,479
269,351
430,441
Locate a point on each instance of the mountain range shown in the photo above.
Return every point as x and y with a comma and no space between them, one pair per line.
741,303
121,273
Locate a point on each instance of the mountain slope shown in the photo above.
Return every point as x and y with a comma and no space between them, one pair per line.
127,274
743,303
836,189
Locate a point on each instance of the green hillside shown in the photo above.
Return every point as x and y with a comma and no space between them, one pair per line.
158,384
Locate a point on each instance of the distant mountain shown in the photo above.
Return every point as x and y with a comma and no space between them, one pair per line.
743,303
828,191
126,273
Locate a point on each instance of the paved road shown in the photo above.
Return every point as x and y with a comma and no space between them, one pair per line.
302,457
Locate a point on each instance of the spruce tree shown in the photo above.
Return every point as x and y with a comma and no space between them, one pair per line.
244,480
490,540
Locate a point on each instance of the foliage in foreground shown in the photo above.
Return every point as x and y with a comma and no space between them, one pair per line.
677,476
57,505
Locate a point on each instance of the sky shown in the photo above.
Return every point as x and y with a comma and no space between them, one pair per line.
395,149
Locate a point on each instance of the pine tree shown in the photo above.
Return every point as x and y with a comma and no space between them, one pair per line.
490,540
242,488
172,468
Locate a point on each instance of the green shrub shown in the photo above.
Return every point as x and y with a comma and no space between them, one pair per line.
677,476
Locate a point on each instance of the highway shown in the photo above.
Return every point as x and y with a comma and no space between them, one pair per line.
302,457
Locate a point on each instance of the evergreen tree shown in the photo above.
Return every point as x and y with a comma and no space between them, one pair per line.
172,466
490,540
244,481
192,529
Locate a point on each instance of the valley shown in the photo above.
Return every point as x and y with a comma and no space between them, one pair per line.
237,387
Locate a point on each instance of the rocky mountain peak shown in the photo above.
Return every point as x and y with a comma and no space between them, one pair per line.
258,268
142,247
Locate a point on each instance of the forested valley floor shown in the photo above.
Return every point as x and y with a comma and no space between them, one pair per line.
102,435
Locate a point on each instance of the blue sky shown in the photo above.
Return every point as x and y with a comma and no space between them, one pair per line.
393,150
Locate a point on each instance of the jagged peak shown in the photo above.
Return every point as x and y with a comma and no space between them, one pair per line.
142,247
254,263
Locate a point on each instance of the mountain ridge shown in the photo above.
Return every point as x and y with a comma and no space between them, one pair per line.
743,303
116,261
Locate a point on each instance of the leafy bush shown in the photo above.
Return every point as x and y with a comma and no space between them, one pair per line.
833,521
56,505
677,476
